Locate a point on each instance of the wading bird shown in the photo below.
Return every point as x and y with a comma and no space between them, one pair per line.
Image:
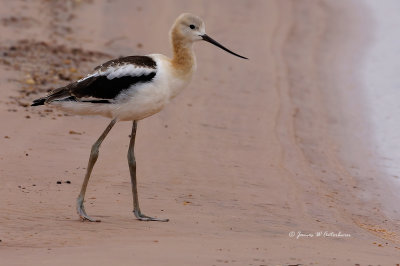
130,89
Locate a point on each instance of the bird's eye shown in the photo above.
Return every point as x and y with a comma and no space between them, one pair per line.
192,26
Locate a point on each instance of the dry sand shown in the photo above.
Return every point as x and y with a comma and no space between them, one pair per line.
250,152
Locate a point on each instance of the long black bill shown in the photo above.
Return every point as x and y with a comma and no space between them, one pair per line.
210,40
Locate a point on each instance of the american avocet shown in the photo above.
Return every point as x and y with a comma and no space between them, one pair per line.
130,89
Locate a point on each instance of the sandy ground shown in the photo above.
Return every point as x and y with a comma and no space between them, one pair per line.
251,151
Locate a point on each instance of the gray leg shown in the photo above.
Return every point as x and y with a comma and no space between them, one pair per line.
132,169
94,154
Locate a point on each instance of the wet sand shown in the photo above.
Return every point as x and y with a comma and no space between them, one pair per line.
250,152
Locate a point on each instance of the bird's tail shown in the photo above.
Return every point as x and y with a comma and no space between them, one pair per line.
39,101
56,94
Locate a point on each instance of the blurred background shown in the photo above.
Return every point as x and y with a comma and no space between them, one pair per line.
303,137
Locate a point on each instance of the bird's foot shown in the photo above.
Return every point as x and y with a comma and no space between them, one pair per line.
82,213
143,217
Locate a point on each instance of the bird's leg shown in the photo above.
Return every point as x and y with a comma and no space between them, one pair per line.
94,154
132,169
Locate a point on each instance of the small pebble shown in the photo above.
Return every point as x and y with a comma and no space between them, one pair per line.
30,81
74,132
58,182
68,182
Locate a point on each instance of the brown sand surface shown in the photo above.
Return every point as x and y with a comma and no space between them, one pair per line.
250,152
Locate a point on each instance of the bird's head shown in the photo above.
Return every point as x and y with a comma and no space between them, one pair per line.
189,28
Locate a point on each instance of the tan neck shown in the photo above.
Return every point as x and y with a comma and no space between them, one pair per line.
184,59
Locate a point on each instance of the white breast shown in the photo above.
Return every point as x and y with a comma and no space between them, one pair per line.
150,98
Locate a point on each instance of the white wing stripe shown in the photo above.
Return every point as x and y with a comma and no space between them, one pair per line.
127,70
121,71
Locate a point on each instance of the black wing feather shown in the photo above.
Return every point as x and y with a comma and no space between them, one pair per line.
103,88
140,61
100,87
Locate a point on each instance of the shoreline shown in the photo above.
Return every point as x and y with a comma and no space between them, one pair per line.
343,154
339,154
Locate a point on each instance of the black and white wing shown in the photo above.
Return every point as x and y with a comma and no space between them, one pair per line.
107,82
